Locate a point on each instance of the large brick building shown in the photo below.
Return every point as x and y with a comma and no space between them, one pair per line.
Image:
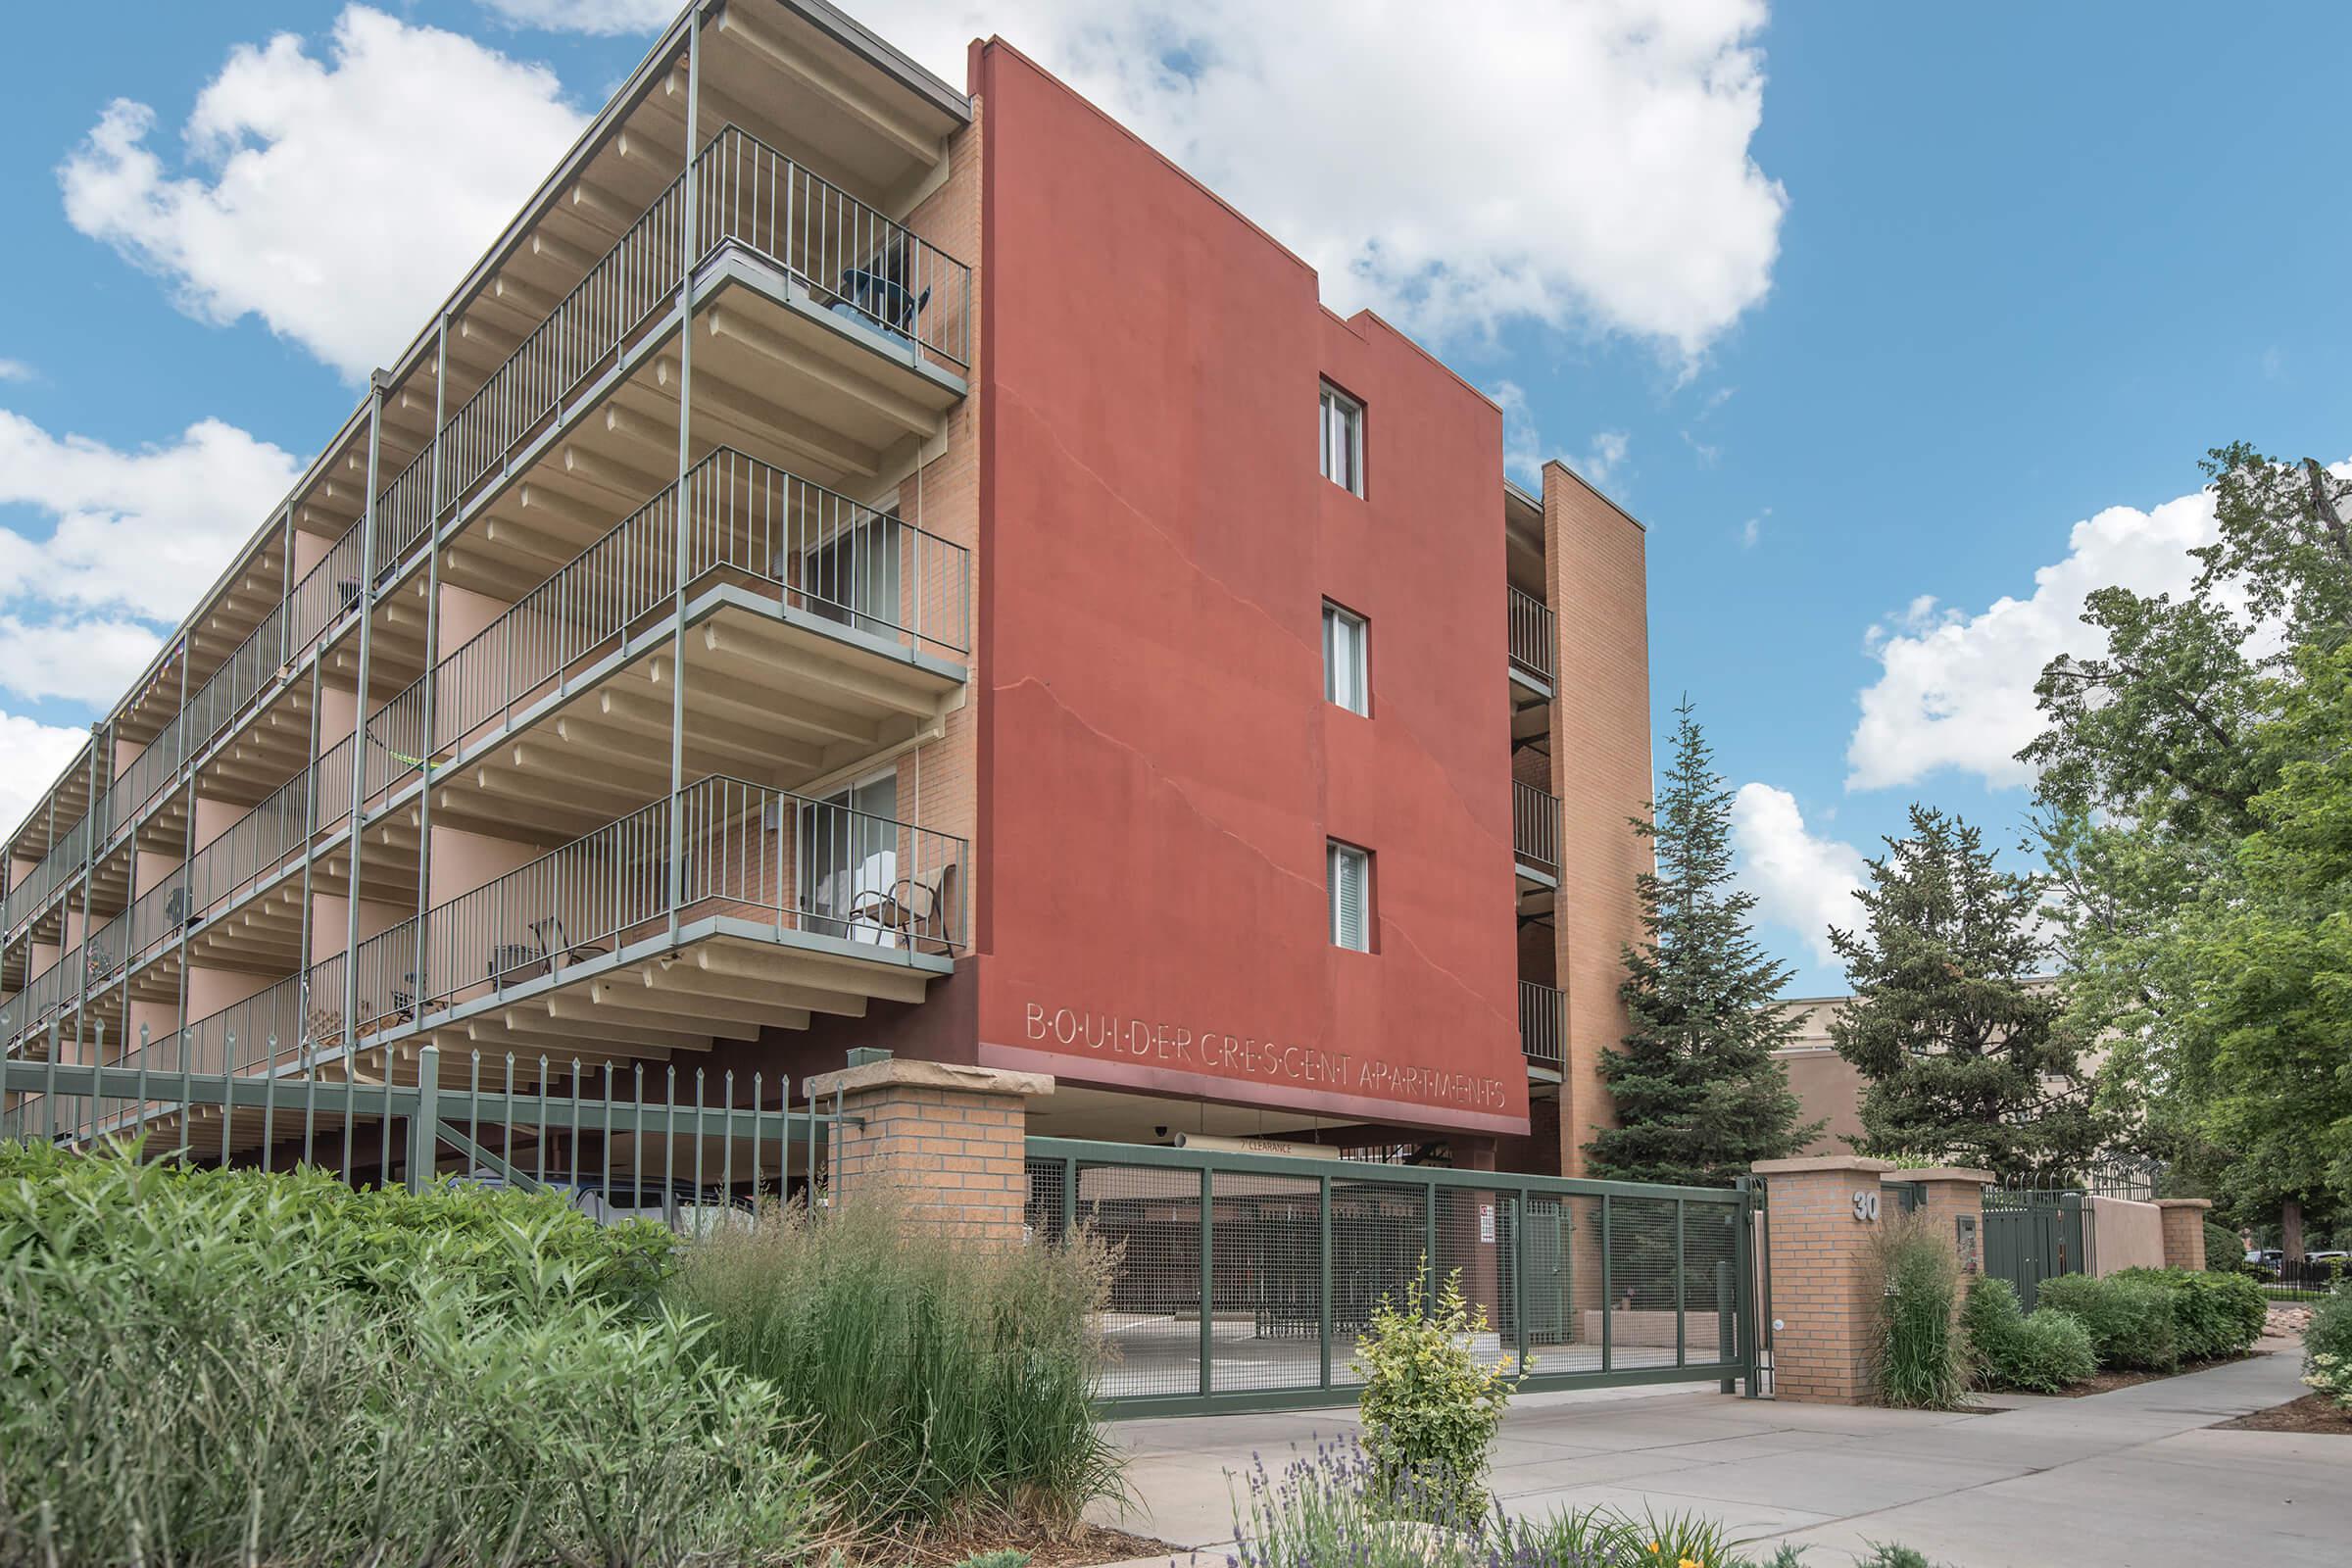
867,562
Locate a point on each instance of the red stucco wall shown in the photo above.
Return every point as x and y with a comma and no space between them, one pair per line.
1159,769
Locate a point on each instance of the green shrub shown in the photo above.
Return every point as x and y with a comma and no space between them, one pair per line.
1430,1407
1331,1510
212,1368
2213,1315
2327,1348
2048,1352
2225,1253
2130,1321
933,1379
1919,1361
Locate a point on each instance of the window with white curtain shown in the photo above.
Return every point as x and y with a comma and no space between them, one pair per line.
1347,659
1351,898
1343,426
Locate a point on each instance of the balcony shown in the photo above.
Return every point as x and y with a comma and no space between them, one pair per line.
1535,847
819,632
786,907
1532,640
1542,1024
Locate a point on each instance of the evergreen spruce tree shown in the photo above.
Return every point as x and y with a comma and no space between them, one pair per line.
1699,1094
1962,1049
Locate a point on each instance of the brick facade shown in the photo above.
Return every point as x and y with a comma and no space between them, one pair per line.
1595,557
1824,1287
2184,1231
948,1139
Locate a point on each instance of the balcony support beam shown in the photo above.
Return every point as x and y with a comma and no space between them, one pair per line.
360,708
688,190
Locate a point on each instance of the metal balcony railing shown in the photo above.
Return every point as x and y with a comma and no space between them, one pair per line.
1542,1024
232,687
1535,828
852,258
258,844
848,253
1531,635
746,852
748,524
856,260
60,865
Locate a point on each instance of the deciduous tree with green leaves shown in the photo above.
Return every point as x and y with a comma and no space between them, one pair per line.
1699,1094
1954,1025
2188,779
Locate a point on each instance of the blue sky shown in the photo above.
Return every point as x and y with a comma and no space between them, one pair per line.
1861,311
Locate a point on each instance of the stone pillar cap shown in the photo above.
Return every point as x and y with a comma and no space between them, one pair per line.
2183,1203
906,1072
1815,1162
1942,1173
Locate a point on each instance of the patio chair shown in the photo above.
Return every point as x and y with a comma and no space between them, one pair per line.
560,948
920,911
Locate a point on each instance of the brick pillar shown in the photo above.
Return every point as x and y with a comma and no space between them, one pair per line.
1954,1192
949,1139
2184,1231
1825,1288
1597,574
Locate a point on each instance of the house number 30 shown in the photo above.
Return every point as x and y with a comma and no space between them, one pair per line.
1866,1207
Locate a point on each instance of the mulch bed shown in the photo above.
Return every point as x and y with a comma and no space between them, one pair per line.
2313,1412
1089,1544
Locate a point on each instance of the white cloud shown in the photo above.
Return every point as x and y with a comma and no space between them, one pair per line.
1522,442
15,371
598,18
136,533
82,661
1956,689
1582,164
334,198
1802,882
1607,457
31,756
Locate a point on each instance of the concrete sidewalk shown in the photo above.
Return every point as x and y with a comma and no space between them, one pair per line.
2131,1479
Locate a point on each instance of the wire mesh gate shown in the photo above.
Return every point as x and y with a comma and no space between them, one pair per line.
682,1149
1243,1280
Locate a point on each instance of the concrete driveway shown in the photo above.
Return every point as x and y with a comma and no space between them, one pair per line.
2134,1479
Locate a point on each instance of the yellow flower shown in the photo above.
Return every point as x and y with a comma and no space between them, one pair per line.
1653,1548
1691,1562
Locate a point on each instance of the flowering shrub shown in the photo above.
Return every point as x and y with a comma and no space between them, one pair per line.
2327,1348
1430,1407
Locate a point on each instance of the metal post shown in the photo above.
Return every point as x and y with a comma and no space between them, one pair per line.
678,499
1518,1214
1323,1227
359,723
187,859
1741,1337
432,681
90,851
1209,1325
1608,1286
424,1127
1681,1337
310,846
1429,1249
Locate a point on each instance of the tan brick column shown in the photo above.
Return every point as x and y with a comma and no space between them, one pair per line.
1825,1288
949,1139
1953,1193
2184,1231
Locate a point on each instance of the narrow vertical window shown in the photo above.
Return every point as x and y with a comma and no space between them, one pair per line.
1351,898
1343,440
1346,661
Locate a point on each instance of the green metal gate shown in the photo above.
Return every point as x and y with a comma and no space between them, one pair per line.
1243,1280
2033,1236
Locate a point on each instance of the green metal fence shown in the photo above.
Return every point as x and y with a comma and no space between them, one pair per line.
2033,1235
617,1140
1243,1280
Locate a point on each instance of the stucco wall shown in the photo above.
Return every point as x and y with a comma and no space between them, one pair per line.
2126,1235
1162,771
